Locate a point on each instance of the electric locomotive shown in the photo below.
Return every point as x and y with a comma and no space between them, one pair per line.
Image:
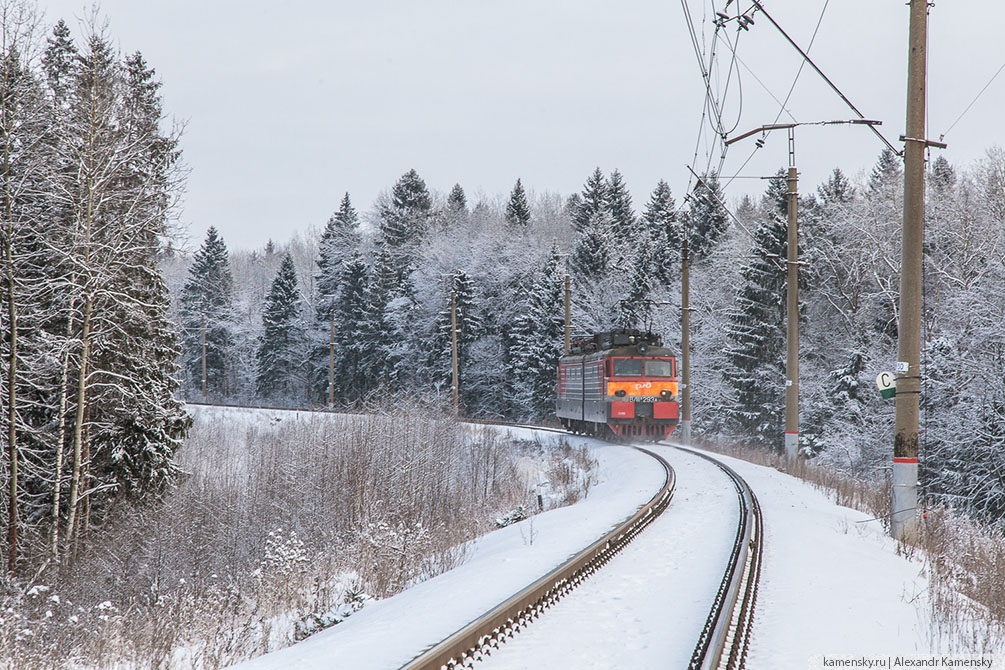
621,382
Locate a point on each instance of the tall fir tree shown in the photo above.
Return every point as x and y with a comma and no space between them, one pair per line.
339,241
517,209
591,203
351,336
619,206
706,218
206,307
635,308
887,172
280,353
591,255
664,231
538,339
457,202
836,191
756,332
404,221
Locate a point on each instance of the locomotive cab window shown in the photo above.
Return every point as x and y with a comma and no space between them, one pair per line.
659,369
627,367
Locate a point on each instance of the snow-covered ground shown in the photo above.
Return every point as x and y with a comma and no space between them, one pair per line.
389,633
832,582
646,608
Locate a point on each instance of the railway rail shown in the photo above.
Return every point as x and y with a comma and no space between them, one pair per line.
478,638
725,637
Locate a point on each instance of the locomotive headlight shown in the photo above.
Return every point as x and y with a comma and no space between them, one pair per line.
665,393
620,393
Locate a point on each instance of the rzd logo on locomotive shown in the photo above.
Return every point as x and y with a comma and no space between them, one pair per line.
643,385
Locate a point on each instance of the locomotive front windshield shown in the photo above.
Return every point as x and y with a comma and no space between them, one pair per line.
659,369
627,367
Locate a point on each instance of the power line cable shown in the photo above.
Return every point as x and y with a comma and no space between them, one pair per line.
795,80
972,102
823,76
781,104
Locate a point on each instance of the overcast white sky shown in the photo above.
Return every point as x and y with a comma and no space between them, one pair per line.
290,104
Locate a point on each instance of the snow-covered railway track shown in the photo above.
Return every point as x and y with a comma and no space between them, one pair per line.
725,638
491,629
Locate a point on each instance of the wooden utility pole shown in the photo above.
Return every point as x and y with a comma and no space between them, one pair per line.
792,314
685,346
331,361
203,327
568,315
905,441
453,346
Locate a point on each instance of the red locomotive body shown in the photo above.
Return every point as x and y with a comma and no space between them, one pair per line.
622,383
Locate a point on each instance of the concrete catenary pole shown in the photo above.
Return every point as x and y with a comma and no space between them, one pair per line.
792,318
568,314
331,360
203,327
453,346
905,441
685,346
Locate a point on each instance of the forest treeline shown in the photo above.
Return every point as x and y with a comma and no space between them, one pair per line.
89,350
379,286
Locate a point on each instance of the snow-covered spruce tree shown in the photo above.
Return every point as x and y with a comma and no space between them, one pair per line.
619,206
665,231
404,221
457,201
380,355
756,332
404,225
517,209
591,203
351,337
339,242
538,339
206,307
706,218
635,309
281,348
591,255
456,211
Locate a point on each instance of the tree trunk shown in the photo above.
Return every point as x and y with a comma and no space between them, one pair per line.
12,519
60,444
78,430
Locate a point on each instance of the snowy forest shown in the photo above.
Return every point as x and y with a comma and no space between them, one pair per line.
109,325
378,286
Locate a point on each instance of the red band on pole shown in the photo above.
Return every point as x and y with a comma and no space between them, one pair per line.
792,432
897,459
